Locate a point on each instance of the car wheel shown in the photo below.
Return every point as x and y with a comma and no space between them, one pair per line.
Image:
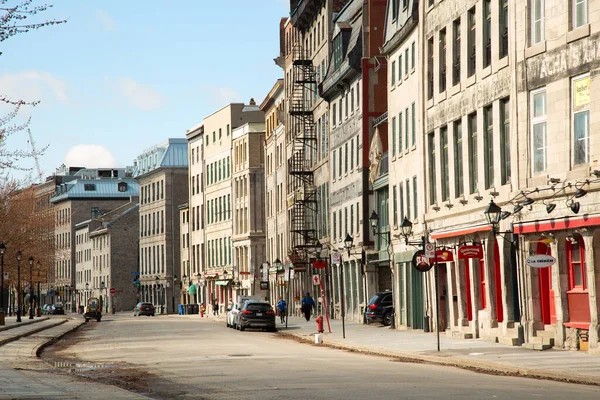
87,320
242,328
387,319
98,320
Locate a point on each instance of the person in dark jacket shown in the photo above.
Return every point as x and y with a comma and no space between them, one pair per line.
307,306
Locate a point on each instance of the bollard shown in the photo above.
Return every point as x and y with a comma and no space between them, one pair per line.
318,338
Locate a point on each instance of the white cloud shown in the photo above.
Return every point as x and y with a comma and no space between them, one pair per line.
139,95
33,86
106,21
90,156
221,96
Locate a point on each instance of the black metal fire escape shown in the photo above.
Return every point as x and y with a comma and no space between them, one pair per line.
303,208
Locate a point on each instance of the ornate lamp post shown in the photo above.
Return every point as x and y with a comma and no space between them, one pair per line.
2,251
20,304
87,286
31,287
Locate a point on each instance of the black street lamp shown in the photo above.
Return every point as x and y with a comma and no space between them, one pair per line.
2,251
493,214
31,287
20,304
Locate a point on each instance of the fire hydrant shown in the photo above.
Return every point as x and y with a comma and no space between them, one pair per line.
319,324
202,310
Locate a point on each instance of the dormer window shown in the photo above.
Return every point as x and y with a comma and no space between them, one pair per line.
89,187
122,186
338,53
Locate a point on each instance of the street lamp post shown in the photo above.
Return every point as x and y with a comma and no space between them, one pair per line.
2,250
87,286
347,245
31,287
19,257
38,298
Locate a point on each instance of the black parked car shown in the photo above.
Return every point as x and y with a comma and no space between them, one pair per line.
256,314
56,309
143,309
381,308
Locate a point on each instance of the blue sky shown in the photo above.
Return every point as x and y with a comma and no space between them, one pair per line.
126,75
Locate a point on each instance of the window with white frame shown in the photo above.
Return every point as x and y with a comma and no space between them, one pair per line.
537,21
580,118
579,13
538,130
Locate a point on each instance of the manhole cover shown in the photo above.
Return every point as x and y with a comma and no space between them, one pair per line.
239,355
79,367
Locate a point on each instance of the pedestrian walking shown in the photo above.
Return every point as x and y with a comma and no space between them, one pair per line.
215,308
307,306
281,307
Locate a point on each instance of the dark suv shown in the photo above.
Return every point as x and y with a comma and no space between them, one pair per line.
381,308
256,314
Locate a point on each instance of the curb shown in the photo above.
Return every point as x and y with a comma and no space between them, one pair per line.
39,348
29,333
481,367
28,322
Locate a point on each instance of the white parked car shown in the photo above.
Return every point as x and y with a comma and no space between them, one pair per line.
235,308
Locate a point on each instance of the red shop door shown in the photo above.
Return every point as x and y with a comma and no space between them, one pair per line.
547,307
466,263
497,278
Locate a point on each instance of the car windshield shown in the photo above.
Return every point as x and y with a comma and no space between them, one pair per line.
93,304
258,307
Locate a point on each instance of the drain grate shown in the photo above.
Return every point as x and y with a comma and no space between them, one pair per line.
239,355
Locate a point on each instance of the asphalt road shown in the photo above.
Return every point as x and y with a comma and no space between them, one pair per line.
177,358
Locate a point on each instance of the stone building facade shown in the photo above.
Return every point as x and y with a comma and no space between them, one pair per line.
76,201
218,223
162,173
248,203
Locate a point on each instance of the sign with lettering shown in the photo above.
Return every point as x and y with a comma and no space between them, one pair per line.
420,262
336,258
581,93
444,256
540,261
470,251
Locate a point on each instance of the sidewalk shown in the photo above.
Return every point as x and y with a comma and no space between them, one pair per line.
473,354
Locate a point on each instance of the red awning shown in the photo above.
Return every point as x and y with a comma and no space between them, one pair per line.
461,232
556,224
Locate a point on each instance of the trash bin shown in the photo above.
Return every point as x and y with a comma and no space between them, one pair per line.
81,309
195,309
189,309
180,309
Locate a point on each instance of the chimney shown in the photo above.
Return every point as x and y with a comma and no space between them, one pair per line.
252,102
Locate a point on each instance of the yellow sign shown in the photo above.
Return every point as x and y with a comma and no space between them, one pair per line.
581,92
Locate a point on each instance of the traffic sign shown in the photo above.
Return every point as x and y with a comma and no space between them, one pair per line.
429,250
336,258
316,280
6,276
113,291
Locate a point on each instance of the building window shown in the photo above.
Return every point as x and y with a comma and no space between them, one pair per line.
394,9
334,226
580,106
505,141
503,29
340,225
338,55
432,174
340,162
400,67
538,129
430,68
537,21
351,154
406,61
488,143
414,124
576,260
406,122
408,200
444,162
394,136
487,33
399,134
393,72
471,42
401,198
442,60
458,162
346,158
472,119
412,55
579,13
395,205
415,202
456,52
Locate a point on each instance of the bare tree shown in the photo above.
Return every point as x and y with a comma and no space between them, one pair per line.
18,17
